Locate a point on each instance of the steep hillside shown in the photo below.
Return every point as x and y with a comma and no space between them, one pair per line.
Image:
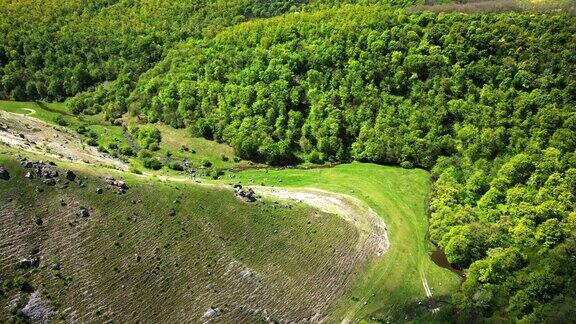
378,279
87,250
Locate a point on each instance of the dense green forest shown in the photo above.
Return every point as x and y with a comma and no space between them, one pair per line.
487,102
56,49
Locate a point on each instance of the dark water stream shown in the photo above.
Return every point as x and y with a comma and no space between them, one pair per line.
439,258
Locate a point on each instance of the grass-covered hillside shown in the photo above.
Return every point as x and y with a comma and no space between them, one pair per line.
392,288
163,251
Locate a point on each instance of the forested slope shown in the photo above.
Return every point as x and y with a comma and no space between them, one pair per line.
485,101
56,49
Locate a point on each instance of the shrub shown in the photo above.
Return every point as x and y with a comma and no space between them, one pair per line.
176,166
113,146
144,154
134,170
237,159
153,147
152,163
224,158
82,130
23,284
206,163
217,174
314,157
126,150
60,120
91,141
406,164
147,136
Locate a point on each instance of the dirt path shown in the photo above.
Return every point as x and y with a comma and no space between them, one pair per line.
29,110
372,231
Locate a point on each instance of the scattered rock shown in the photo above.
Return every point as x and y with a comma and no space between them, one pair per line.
172,212
245,195
71,176
84,212
137,257
29,175
39,221
246,274
28,263
37,310
39,189
211,313
47,173
49,182
117,183
43,169
4,174
99,191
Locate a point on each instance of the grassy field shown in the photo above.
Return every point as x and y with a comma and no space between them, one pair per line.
392,288
198,149
131,260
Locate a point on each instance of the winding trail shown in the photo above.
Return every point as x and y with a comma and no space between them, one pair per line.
372,231
29,110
